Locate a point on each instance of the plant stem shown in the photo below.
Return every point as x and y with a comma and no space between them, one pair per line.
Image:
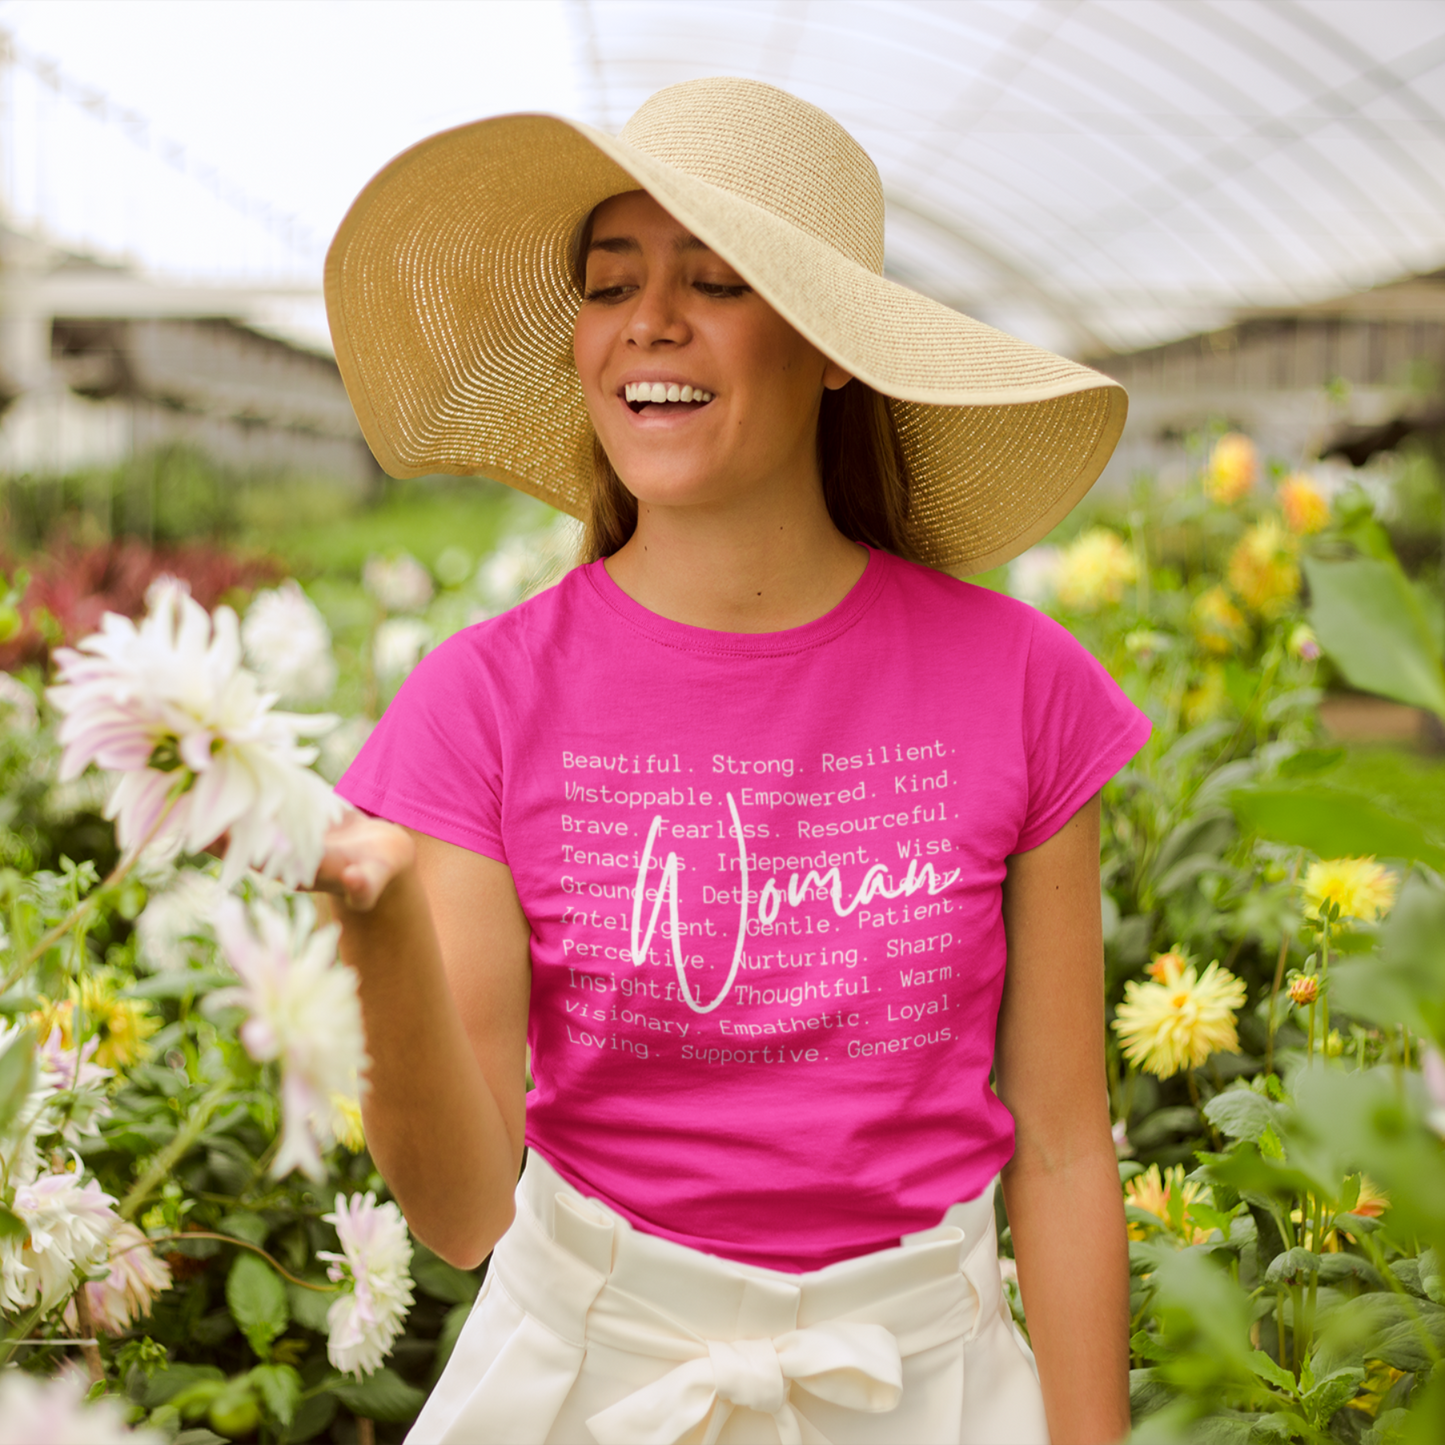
88,1347
1324,989
1279,979
240,1243
166,1159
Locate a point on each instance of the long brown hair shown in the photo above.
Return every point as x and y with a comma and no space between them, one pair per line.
866,485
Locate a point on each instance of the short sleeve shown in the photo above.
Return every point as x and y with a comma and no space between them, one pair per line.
434,761
1079,730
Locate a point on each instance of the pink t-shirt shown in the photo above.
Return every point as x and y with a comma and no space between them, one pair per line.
763,877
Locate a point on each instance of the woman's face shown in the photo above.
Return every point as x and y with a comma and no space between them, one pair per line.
662,310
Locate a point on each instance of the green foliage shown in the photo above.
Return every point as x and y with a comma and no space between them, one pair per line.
1373,624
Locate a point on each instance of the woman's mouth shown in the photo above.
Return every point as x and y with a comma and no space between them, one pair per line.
642,395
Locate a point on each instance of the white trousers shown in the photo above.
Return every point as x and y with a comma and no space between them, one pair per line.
588,1330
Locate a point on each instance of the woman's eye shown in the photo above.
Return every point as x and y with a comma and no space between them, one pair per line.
606,293
718,288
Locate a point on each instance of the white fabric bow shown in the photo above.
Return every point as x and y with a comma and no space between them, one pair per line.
856,1366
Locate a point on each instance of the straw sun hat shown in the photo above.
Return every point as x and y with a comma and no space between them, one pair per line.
451,303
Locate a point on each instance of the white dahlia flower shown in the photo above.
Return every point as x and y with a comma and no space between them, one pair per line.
54,1412
125,1295
398,646
169,706
400,584
74,1074
376,1257
304,1012
70,1225
171,921
288,643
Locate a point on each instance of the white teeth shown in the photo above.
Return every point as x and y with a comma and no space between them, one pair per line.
657,391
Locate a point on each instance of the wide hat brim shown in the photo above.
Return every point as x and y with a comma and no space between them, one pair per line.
451,302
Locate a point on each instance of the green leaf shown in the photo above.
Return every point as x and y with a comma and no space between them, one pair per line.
280,1388
1371,623
257,1301
1292,1266
1244,1168
451,1331
11,1224
244,1225
1310,761
309,1306
17,1076
315,1414
1405,1346
1241,1113
1333,823
1272,1373
444,1281
196,1399
1432,1278
166,1384
1330,1393
1406,983
383,1396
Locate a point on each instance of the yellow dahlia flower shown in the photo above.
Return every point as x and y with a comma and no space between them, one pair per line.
120,1026
1155,1193
1304,990
346,1123
1304,506
1177,1022
1168,967
1093,571
1262,568
1219,626
1209,699
1233,468
1350,887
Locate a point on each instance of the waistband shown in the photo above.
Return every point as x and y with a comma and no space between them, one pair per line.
734,1335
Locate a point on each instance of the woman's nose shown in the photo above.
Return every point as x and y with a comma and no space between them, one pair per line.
657,317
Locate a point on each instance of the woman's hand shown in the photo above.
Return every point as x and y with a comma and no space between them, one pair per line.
363,857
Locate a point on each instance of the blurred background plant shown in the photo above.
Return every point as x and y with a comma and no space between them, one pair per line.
187,1210
1275,926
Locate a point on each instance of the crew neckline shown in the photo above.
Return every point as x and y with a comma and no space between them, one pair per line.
849,610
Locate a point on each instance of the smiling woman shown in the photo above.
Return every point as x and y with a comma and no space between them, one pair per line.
683,336
848,427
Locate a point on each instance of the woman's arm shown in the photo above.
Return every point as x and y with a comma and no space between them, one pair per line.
1062,1187
441,946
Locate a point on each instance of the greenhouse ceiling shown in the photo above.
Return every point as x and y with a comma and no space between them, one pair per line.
1098,175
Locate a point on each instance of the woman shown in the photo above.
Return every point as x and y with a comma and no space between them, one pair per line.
739,824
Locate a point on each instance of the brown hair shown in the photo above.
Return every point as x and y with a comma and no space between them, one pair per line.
866,485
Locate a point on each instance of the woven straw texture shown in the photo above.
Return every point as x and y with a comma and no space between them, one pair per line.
451,306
